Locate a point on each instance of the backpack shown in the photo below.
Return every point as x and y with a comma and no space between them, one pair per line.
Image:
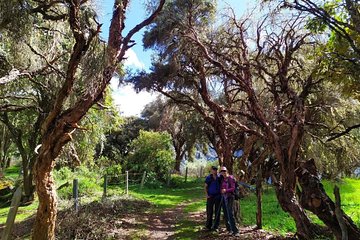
236,192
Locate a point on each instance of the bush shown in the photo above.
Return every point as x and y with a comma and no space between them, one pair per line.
89,182
152,152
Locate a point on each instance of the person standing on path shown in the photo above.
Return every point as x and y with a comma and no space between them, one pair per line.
213,197
227,201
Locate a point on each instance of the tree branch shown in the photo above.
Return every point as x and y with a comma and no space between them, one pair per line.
339,134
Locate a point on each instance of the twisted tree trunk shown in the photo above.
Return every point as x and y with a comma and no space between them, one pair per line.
59,124
314,198
44,228
286,196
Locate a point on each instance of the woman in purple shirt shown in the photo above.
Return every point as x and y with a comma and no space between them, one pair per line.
227,189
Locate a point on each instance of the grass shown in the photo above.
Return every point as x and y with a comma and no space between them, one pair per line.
192,193
12,172
168,197
274,218
22,214
350,196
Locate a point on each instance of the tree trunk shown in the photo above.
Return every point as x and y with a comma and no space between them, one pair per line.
288,202
28,180
314,198
179,154
44,228
177,164
228,157
28,186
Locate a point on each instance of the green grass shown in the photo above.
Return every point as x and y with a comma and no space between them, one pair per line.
167,197
274,218
22,214
12,172
192,193
350,196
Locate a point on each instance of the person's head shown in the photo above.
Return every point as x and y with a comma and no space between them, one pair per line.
224,171
214,170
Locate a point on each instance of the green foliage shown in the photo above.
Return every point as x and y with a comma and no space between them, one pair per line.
89,182
335,113
152,152
117,143
174,17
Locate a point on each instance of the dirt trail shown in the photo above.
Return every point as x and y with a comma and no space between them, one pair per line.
164,225
168,225
139,221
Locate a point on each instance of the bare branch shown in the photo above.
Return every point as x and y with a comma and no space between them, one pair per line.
340,134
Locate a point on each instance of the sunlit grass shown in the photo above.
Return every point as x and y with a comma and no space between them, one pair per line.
22,213
276,220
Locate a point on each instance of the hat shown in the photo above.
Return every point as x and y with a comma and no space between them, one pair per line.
223,168
214,168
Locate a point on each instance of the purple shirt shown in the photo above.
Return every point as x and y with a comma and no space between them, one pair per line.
228,184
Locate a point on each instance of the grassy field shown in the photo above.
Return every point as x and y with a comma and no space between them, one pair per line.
191,194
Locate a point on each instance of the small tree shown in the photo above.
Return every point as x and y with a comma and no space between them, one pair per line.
152,152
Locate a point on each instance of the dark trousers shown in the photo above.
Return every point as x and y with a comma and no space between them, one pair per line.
227,204
210,204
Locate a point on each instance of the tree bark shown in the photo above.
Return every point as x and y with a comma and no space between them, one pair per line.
314,198
179,154
305,229
59,124
44,228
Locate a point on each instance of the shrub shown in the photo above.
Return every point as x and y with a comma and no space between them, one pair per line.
152,152
89,181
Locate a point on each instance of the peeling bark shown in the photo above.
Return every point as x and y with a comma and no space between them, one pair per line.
314,198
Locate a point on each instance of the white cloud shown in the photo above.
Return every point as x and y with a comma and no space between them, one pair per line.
132,60
128,101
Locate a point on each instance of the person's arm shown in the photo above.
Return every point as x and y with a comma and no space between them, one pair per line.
232,186
206,190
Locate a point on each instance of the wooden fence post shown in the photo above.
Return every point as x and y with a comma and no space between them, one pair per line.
339,214
201,171
76,194
186,174
142,180
105,185
12,214
259,200
127,183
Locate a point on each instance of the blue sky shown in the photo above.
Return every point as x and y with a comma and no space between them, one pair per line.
125,98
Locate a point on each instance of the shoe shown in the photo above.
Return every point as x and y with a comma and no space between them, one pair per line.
236,234
215,230
230,232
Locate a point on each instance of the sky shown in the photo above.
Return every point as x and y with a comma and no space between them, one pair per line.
126,99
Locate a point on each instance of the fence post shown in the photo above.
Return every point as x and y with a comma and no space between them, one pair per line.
12,214
105,185
339,214
142,180
259,198
186,173
127,183
201,171
76,194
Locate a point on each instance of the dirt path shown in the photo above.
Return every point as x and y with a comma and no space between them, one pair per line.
134,219
176,224
164,225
